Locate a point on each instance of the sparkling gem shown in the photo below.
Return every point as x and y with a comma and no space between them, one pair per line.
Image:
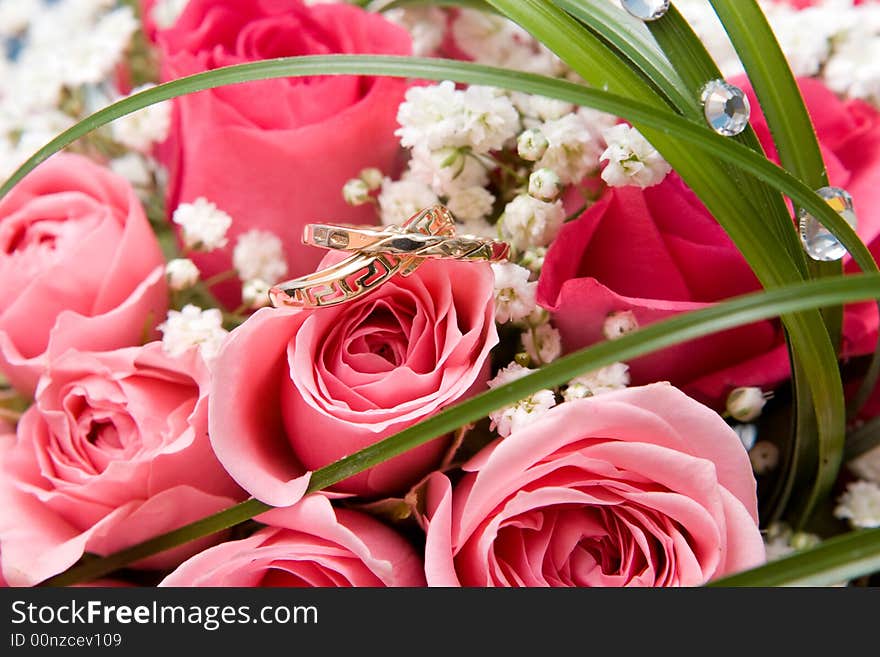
726,108
646,10
818,241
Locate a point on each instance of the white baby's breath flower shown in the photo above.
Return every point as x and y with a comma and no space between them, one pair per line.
440,116
181,273
631,159
860,504
399,200
192,327
255,294
514,294
533,259
544,184
356,192
492,39
609,378
854,68
166,12
541,107
259,254
426,25
372,177
619,323
447,170
529,222
542,343
531,145
204,224
512,418
471,203
144,128
746,403
93,54
803,34
572,150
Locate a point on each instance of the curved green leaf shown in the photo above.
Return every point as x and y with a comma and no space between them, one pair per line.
831,562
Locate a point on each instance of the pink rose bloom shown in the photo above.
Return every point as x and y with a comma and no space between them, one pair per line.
658,252
79,267
309,544
297,390
641,487
275,154
114,451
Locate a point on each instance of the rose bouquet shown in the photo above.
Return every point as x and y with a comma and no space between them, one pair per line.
597,304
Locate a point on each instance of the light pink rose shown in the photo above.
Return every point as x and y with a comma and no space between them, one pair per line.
114,451
79,267
641,487
309,544
297,390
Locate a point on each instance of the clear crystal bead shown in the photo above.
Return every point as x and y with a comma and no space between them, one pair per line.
818,241
726,108
646,10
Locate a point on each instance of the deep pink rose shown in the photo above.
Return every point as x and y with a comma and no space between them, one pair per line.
309,544
79,267
275,154
114,451
641,487
297,390
657,252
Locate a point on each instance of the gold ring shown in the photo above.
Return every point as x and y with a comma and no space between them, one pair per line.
360,274
403,241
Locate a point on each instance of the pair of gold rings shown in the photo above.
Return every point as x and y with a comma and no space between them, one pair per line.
379,254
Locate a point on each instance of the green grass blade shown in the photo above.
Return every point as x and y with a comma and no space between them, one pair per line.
729,314
831,562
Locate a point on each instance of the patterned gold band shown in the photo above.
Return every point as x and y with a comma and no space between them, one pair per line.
361,273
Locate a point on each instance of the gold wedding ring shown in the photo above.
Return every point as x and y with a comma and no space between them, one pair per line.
399,240
431,234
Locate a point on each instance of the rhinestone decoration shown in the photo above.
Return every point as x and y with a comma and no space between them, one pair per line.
726,108
819,243
646,10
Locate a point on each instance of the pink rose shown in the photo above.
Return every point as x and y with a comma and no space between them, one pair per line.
641,487
297,390
275,154
114,451
658,252
309,544
79,267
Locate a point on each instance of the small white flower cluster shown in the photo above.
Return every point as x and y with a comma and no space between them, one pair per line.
780,541
514,293
606,379
835,39
193,327
631,159
860,504
426,25
491,39
512,418
50,48
258,256
204,225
